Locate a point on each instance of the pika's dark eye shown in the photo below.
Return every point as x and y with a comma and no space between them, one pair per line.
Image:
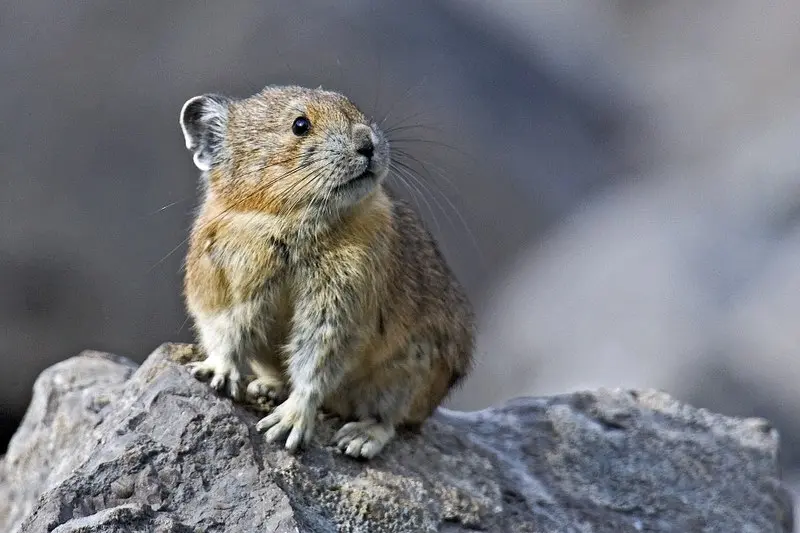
300,126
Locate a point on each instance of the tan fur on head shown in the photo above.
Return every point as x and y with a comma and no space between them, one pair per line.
303,271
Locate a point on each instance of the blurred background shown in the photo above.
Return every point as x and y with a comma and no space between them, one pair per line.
616,183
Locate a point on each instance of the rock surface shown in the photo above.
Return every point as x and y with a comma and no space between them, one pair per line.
107,447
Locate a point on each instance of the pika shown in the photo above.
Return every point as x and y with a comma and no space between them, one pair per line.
306,277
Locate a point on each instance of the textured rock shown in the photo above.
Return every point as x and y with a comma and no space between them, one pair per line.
106,447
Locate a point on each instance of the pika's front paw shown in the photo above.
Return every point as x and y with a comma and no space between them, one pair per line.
295,417
225,377
267,389
363,439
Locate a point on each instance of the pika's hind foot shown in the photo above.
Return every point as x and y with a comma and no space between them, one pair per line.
224,376
365,438
268,389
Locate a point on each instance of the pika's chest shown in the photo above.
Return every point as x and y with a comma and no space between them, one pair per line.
242,258
228,264
251,261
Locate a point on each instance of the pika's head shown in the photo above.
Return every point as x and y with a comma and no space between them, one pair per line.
285,148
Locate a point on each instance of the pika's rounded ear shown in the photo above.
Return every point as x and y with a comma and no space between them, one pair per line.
203,119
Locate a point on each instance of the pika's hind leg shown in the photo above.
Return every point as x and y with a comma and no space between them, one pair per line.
383,400
364,438
269,383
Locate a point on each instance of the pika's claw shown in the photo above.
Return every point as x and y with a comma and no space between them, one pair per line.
225,377
294,418
363,439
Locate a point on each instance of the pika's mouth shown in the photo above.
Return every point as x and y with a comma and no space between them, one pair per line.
367,175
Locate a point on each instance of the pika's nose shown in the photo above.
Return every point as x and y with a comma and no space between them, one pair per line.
366,148
363,142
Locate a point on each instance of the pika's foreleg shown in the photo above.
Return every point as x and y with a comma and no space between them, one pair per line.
223,341
229,338
323,334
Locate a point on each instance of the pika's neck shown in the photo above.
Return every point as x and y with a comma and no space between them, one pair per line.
305,223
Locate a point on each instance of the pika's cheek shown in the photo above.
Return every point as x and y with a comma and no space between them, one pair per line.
310,153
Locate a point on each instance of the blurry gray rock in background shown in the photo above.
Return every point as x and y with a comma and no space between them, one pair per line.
629,171
91,148
686,275
92,151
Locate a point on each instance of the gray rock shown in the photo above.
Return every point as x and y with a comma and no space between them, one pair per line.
106,447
